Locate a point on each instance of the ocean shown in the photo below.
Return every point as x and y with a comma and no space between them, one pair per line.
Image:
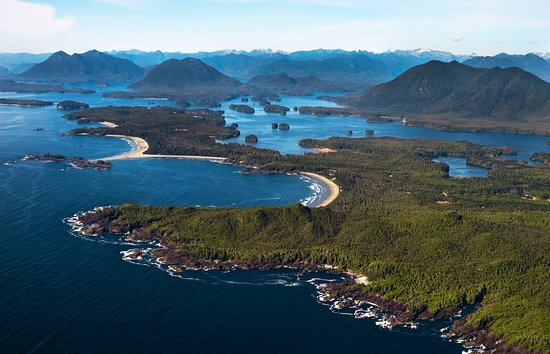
60,292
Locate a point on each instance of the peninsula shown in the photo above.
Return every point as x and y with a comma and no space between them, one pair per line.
420,237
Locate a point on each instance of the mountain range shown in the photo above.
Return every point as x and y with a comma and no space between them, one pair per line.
94,66
529,62
296,86
460,94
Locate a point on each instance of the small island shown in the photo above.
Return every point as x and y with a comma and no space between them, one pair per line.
75,161
242,108
275,108
369,132
8,85
71,105
274,126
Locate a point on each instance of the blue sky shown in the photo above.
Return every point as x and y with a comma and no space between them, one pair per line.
485,27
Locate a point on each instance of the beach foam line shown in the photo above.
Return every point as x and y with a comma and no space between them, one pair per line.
333,188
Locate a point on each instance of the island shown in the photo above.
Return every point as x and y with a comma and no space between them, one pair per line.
251,139
71,105
8,85
242,108
275,108
75,161
24,103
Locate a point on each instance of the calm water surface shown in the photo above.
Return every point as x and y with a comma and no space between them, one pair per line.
59,292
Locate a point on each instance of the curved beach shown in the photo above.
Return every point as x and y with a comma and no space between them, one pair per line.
333,188
140,146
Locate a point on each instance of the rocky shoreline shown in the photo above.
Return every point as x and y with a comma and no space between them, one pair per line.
349,294
75,161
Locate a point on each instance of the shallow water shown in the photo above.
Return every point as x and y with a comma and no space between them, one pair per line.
64,293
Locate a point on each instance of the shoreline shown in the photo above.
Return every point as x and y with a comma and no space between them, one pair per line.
140,146
333,188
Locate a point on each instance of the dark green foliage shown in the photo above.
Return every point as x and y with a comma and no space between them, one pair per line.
171,131
275,108
23,87
25,103
243,108
421,237
71,105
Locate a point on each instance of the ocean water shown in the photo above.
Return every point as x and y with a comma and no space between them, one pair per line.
59,292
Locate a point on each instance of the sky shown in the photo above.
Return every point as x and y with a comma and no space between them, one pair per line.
484,27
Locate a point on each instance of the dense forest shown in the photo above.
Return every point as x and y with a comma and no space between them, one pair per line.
427,240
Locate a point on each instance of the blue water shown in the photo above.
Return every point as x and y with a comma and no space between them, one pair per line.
63,293
459,168
305,126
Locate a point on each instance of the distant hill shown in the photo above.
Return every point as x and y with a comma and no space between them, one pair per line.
186,73
449,95
359,69
282,83
530,62
235,64
4,72
15,61
90,66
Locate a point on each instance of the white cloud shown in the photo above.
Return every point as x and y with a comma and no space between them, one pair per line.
29,19
131,4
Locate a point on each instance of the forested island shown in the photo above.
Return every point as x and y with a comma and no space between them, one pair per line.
428,243
275,108
71,105
24,103
22,87
242,108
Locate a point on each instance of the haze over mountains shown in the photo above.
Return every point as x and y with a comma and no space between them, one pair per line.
529,62
354,70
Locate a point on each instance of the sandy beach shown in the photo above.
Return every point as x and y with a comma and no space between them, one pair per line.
323,150
140,146
109,124
333,188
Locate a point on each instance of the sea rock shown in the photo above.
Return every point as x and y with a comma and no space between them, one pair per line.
274,126
284,126
251,139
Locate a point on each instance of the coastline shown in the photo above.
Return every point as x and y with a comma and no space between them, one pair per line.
333,188
140,146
